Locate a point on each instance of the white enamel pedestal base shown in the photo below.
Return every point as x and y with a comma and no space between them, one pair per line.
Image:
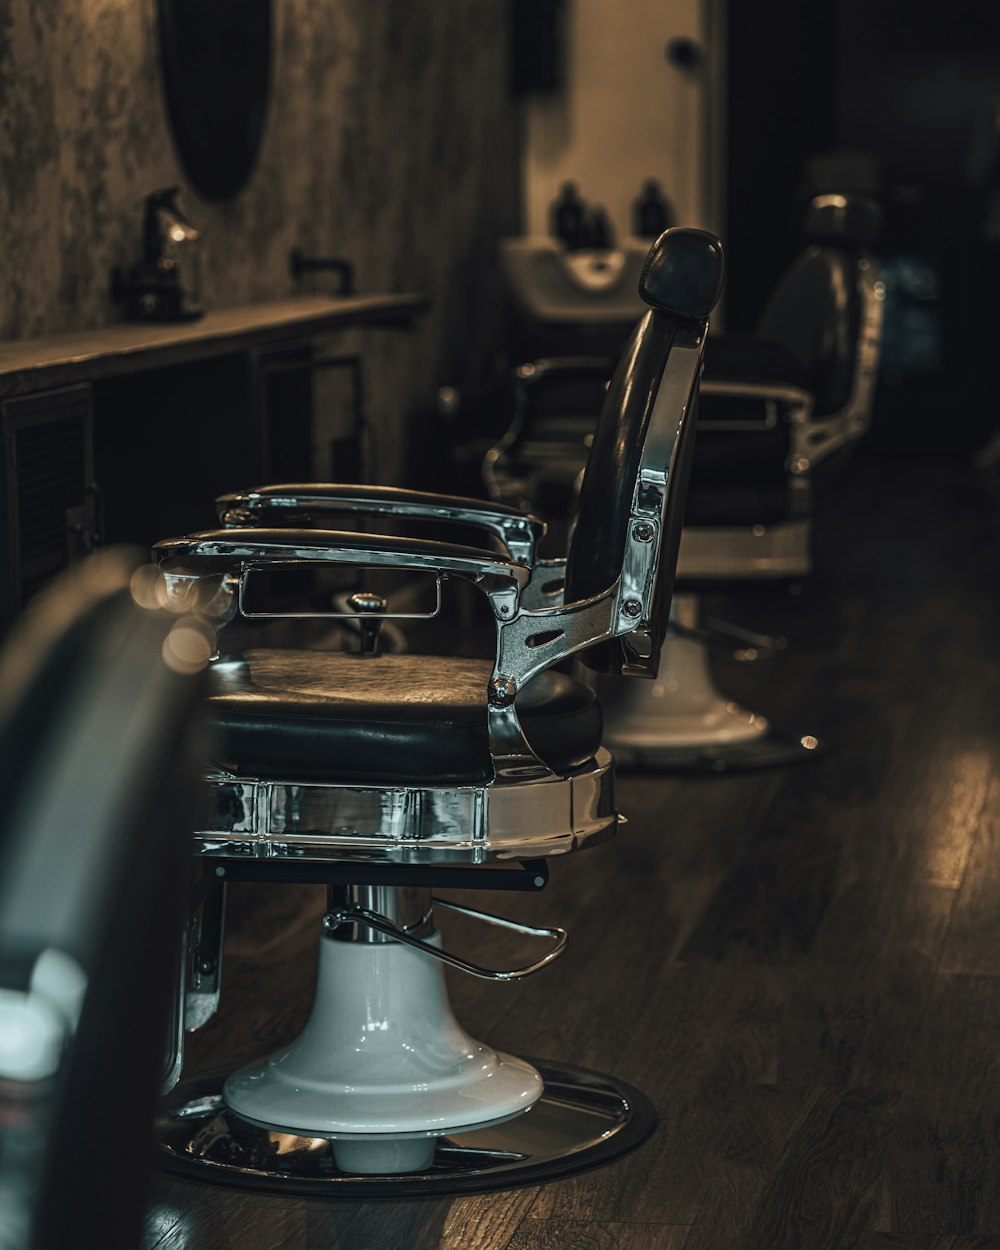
682,721
382,1068
384,1095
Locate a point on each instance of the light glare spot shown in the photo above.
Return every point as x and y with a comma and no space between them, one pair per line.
147,588
189,646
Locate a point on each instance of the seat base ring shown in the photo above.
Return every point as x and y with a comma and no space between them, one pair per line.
581,1120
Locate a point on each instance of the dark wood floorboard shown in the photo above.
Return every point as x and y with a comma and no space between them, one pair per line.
800,967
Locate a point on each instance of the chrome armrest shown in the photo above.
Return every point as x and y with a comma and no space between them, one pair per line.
293,504
782,402
792,399
813,437
230,556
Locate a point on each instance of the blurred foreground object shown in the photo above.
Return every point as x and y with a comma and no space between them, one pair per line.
99,691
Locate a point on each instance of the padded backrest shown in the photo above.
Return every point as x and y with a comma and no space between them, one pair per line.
681,282
97,768
815,311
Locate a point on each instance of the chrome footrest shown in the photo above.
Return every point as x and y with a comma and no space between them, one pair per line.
249,818
556,936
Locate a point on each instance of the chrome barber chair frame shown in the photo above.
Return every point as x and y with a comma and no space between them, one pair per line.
418,1106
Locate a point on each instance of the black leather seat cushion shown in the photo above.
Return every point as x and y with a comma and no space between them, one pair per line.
337,716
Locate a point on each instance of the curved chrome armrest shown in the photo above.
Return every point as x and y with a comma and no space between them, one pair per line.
812,438
292,503
229,556
793,397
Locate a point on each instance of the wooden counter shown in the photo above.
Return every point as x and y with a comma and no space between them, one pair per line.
28,365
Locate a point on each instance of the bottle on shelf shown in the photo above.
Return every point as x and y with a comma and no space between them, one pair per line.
567,215
651,212
597,232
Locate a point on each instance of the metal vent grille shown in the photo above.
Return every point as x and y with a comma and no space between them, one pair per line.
50,503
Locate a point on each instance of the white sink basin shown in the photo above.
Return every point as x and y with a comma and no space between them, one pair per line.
551,284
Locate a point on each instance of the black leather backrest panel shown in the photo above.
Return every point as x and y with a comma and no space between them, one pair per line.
598,546
815,312
681,280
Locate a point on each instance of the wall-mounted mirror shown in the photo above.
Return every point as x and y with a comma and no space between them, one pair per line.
216,58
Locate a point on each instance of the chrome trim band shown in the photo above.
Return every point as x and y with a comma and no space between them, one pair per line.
250,818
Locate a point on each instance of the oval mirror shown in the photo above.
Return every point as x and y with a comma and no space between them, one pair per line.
216,59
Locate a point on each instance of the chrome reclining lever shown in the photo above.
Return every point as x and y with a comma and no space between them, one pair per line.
362,915
370,608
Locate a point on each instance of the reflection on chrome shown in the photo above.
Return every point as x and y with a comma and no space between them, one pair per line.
581,1119
461,825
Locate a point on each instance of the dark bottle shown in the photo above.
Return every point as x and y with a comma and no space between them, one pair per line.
651,212
597,232
567,216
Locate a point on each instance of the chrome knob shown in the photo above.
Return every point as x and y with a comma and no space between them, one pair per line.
369,608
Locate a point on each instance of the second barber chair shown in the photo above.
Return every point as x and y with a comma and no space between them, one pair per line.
387,776
774,406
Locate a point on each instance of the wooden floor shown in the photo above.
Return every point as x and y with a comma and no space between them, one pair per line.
801,967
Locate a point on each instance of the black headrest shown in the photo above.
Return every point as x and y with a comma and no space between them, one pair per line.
853,219
683,273
682,280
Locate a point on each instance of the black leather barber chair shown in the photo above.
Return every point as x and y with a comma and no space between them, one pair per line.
98,718
774,405
778,403
387,776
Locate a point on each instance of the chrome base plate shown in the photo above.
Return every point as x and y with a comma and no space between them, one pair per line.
768,750
581,1120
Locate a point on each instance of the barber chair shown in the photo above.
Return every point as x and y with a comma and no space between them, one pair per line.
387,776
774,406
99,701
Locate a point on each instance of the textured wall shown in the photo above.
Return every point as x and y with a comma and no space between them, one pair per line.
390,140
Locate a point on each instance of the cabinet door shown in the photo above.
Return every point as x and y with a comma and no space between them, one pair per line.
49,492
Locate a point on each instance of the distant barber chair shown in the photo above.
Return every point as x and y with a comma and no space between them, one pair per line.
387,776
98,737
774,405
